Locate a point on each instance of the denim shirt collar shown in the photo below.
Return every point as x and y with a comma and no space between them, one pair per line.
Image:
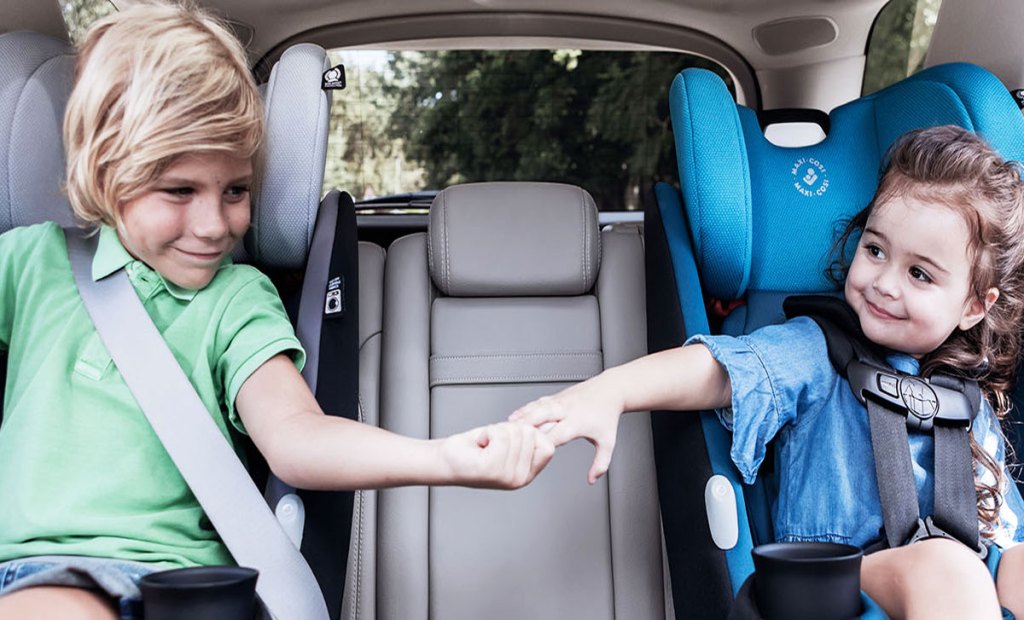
904,363
111,256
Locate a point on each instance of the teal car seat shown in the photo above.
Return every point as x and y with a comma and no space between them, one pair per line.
755,222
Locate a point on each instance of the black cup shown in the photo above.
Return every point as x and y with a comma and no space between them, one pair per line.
807,581
200,593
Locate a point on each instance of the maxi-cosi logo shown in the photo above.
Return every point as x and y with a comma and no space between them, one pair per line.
809,177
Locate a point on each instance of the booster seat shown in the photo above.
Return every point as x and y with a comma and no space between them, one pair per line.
755,221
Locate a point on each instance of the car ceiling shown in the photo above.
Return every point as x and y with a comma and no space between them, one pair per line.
761,37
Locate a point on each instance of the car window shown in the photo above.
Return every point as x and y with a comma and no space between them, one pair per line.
410,122
898,42
79,14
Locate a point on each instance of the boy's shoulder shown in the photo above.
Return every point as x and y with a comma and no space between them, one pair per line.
240,281
38,232
34,240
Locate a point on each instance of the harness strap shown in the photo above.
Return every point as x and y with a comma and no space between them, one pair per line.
894,472
954,484
945,407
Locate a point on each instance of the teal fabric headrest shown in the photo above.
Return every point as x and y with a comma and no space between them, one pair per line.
764,217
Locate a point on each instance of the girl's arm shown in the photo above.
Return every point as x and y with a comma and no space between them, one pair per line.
685,378
310,450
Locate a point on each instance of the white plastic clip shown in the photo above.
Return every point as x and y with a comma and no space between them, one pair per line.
720,499
291,514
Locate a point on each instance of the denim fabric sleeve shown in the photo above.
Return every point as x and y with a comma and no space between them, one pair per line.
779,374
1010,530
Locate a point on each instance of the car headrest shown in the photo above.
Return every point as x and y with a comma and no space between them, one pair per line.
285,207
513,239
764,217
35,81
986,38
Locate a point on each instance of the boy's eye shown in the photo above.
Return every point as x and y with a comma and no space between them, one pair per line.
236,193
920,275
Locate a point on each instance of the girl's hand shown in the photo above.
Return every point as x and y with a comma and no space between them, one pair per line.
499,456
590,410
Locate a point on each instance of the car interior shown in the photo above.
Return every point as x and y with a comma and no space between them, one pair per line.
442,308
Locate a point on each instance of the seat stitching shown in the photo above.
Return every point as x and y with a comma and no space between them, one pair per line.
516,355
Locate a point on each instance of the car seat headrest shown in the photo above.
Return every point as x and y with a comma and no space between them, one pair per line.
285,206
35,81
764,217
513,239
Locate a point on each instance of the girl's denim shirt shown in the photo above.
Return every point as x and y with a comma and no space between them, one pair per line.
784,388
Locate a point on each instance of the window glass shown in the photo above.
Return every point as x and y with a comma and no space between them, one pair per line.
80,14
899,40
418,121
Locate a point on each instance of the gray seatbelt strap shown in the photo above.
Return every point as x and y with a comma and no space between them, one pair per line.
307,330
314,290
201,453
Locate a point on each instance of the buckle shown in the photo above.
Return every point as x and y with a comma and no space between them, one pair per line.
922,402
926,529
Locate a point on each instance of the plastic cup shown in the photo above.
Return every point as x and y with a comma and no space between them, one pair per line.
200,593
807,581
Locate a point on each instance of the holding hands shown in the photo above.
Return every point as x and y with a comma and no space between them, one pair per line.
589,410
499,456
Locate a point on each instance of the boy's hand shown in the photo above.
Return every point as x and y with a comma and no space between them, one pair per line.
590,410
499,456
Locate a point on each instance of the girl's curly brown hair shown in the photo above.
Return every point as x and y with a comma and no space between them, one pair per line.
951,166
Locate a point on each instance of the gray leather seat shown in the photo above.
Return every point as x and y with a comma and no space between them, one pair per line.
35,81
512,294
360,581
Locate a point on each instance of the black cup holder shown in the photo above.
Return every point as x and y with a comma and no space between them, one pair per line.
807,580
200,593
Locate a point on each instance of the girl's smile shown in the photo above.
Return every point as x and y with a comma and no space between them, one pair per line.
910,280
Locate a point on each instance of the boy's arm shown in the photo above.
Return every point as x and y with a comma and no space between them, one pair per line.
684,378
308,449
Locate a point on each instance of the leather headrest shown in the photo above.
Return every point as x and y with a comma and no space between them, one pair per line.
513,239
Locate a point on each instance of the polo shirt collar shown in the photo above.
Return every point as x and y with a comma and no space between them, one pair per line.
111,256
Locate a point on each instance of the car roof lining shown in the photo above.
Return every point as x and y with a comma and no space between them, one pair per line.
525,31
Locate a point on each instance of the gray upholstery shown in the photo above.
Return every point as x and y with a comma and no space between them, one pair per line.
285,207
558,548
478,233
35,81
989,37
360,582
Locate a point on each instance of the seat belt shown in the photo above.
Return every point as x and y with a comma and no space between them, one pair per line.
327,325
199,450
942,405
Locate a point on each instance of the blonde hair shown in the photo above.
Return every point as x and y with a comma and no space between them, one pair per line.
953,167
153,83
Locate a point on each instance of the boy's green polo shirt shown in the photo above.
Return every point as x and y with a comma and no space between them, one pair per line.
81,471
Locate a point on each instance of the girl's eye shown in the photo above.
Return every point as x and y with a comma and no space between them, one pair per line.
178,192
874,251
920,275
